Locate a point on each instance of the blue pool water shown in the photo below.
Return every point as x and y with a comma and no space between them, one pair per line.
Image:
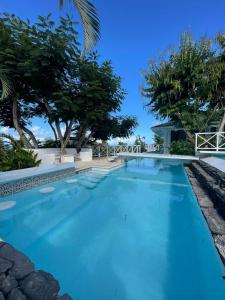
134,234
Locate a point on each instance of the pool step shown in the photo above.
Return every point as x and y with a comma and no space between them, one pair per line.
86,183
91,180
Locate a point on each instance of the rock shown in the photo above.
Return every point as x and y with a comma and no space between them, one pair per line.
2,243
64,297
2,296
7,283
40,285
220,244
22,266
5,265
16,268
16,294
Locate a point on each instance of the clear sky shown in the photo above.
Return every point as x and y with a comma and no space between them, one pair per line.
133,32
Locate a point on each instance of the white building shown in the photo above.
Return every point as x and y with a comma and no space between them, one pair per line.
170,132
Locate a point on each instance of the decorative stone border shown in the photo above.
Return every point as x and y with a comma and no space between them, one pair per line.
20,185
215,222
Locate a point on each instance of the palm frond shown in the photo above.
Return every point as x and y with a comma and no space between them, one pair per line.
7,87
14,143
90,21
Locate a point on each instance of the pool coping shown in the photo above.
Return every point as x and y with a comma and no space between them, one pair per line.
158,156
209,213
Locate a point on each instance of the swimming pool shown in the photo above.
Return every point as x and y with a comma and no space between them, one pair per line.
134,234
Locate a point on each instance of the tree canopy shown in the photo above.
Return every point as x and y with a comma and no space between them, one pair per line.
51,80
188,85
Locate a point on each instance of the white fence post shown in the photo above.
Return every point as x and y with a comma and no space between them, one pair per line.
196,142
217,142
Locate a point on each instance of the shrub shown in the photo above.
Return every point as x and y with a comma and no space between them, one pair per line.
13,156
15,159
182,148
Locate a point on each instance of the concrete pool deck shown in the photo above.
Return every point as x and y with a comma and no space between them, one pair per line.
101,162
24,173
159,156
216,162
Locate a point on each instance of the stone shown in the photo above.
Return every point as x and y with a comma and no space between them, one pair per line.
64,297
2,296
16,294
215,223
40,285
7,283
5,265
22,266
220,245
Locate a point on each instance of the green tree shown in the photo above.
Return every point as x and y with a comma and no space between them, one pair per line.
158,140
220,88
185,86
140,141
37,59
99,94
52,81
113,127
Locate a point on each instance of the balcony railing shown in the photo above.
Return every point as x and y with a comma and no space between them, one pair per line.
102,151
210,142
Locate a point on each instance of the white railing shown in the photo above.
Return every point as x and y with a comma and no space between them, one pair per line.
102,151
152,148
210,141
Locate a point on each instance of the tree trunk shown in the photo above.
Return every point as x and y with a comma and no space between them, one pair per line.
59,132
54,131
66,136
80,142
86,140
31,135
80,137
17,125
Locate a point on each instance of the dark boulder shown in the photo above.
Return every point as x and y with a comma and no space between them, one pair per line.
2,296
16,294
5,265
22,266
40,285
7,283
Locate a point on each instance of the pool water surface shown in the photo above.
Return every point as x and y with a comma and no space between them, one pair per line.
136,233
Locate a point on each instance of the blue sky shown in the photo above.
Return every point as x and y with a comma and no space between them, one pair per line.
133,32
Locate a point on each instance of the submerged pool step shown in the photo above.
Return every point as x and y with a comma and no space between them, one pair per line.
87,183
91,179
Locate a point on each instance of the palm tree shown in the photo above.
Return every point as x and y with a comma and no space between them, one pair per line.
90,21
6,86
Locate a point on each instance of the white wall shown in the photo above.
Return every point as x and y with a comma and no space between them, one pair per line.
48,155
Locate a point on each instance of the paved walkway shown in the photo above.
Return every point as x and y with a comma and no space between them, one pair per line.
102,162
